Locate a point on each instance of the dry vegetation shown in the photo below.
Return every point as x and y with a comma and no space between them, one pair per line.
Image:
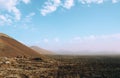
88,66
64,67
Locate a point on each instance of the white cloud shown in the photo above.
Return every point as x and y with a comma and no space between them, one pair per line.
26,23
77,38
68,4
91,37
96,1
45,40
10,6
9,11
56,39
97,37
31,14
28,18
115,1
112,36
50,6
4,19
17,13
94,43
83,39
26,1
91,1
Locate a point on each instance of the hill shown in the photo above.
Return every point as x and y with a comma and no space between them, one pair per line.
41,51
10,47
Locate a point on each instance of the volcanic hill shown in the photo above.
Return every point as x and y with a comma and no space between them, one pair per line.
10,47
41,51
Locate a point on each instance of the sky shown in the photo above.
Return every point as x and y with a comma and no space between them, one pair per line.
71,26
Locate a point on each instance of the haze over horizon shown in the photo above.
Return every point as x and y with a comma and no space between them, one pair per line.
63,25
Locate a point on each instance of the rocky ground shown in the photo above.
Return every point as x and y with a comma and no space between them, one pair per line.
60,67
22,67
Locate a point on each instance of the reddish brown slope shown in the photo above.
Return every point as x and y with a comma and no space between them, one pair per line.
41,51
10,47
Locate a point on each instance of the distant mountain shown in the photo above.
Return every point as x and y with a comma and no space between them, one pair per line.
41,51
10,47
87,52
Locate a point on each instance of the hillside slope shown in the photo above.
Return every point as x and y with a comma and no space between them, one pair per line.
41,51
9,47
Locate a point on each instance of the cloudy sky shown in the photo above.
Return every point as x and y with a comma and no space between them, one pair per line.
63,25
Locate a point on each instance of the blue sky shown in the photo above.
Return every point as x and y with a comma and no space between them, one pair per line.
63,25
